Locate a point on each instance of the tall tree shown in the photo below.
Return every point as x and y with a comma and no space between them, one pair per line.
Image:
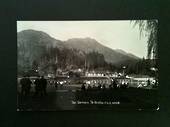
151,29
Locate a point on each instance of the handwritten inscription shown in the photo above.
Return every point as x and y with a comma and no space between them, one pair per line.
96,102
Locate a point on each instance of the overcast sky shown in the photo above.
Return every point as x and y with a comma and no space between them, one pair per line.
116,34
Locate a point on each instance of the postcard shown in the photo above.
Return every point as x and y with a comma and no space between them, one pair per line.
87,65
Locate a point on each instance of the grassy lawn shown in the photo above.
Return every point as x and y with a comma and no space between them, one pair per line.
129,99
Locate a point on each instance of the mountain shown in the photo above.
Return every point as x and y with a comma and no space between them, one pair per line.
38,38
33,45
125,53
89,45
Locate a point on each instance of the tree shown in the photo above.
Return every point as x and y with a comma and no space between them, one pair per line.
151,29
35,65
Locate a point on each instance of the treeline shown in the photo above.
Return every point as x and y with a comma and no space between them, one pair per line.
55,58
142,66
66,59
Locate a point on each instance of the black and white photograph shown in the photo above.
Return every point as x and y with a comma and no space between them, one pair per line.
87,65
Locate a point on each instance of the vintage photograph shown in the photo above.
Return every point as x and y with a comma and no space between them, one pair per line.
87,65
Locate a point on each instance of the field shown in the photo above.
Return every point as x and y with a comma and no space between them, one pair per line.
72,98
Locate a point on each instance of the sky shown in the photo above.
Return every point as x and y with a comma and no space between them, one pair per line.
115,34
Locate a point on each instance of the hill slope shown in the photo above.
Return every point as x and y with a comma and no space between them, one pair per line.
89,45
32,45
